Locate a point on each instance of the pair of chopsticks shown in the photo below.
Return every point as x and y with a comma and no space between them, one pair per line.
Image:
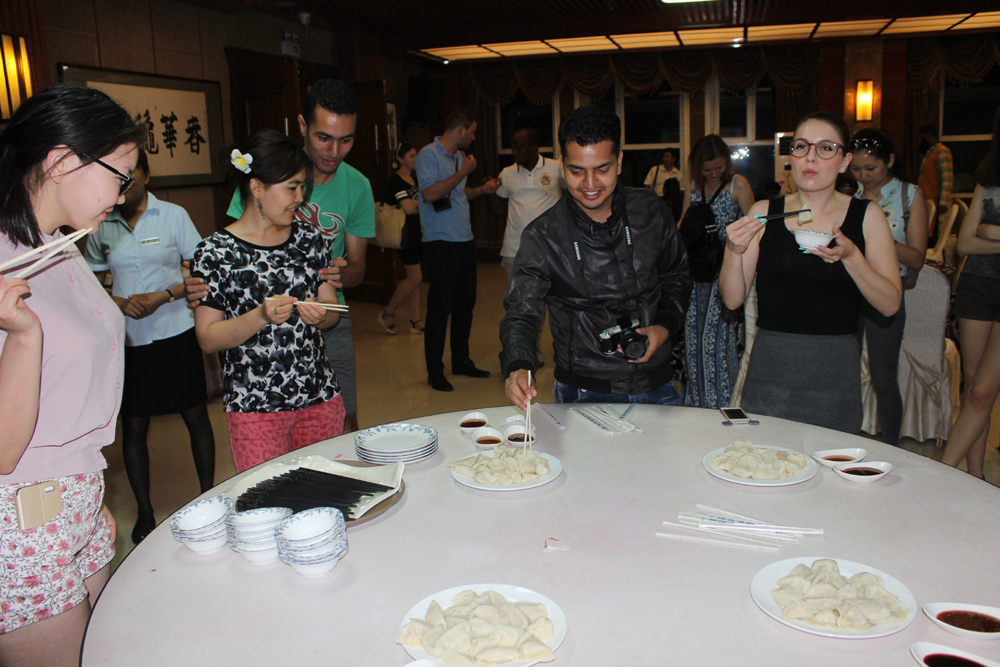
779,216
340,308
528,438
53,248
734,530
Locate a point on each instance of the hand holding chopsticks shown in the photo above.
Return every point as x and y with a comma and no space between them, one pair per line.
50,249
780,216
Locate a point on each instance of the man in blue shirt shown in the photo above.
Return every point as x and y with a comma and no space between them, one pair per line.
449,249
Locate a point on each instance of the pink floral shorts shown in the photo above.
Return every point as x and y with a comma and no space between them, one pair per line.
42,569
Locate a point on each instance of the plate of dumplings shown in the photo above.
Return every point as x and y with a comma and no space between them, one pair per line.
484,624
833,598
504,469
742,463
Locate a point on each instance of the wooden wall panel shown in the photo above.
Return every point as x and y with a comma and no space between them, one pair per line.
24,18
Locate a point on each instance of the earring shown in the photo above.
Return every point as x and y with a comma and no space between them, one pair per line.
260,207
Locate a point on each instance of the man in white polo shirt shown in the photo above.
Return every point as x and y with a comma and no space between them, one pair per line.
531,186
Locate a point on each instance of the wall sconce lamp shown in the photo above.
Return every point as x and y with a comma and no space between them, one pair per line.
15,74
863,101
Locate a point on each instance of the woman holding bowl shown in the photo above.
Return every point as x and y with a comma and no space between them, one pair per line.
806,362
262,274
977,305
875,167
143,243
66,159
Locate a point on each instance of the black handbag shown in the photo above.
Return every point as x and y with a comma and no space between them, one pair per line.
700,234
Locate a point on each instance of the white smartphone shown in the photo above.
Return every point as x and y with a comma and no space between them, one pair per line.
735,415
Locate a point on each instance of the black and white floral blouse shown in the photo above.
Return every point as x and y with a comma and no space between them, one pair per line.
281,367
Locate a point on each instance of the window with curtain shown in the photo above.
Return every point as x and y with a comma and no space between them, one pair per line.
967,124
522,112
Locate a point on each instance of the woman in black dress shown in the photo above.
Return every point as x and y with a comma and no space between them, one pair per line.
402,191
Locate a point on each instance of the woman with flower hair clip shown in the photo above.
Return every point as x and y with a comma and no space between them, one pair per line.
262,274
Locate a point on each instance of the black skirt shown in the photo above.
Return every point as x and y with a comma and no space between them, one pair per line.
410,252
165,377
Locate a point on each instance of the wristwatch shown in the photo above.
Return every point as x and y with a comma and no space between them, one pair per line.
171,295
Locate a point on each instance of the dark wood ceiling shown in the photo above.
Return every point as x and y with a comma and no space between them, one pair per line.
419,24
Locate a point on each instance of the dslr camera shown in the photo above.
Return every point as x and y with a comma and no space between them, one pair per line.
624,333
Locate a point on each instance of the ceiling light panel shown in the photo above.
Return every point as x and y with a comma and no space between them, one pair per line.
980,20
520,48
646,40
462,52
714,36
770,32
600,43
923,24
850,28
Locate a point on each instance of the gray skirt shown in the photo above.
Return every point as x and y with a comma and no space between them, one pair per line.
809,379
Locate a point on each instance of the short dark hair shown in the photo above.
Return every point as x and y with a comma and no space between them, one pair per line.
85,120
142,162
460,116
879,145
928,129
988,172
334,96
673,151
591,124
831,119
276,158
531,135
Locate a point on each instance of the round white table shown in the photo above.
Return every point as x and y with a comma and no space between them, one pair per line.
630,597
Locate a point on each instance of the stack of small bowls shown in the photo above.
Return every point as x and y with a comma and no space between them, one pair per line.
251,533
201,526
312,541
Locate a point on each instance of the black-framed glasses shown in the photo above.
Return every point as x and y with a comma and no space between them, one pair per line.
826,150
126,181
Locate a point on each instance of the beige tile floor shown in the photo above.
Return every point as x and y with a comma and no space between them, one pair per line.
392,386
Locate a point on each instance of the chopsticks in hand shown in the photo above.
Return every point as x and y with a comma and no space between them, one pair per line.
340,308
53,248
779,216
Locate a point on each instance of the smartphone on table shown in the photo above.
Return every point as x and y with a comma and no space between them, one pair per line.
736,416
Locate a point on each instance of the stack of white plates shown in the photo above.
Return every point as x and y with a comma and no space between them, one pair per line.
396,442
201,526
312,541
251,533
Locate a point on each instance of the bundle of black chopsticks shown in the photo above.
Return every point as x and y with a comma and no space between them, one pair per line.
304,488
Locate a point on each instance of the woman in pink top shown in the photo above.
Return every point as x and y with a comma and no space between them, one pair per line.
66,159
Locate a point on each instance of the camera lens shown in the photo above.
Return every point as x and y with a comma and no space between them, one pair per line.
633,345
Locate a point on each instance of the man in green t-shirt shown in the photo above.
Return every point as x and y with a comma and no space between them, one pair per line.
342,207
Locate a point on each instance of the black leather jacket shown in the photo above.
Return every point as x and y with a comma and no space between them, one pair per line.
546,272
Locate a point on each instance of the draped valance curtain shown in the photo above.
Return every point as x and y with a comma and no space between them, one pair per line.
793,69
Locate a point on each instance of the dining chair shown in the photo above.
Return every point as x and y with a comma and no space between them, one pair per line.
931,217
937,253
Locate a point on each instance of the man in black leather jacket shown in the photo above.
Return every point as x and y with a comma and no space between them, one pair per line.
601,253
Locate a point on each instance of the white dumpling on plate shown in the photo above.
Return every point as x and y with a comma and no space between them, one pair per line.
456,659
542,628
533,610
532,649
411,633
435,615
498,654
429,640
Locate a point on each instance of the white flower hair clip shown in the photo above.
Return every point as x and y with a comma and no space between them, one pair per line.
241,160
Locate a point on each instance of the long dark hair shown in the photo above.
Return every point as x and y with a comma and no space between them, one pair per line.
879,145
276,158
400,153
988,172
85,120
706,149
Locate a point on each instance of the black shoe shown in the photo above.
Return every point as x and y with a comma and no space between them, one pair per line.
439,383
143,527
469,369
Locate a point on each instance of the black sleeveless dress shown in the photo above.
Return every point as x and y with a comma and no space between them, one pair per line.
806,362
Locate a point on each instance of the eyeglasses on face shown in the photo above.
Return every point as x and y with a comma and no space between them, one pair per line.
126,181
826,150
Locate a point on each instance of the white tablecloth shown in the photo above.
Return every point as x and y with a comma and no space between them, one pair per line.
630,597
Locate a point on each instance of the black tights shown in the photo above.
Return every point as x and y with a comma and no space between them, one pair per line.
136,454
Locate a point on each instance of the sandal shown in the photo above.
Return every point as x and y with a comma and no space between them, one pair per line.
414,328
390,327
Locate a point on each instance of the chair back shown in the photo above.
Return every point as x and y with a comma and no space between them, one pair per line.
937,254
931,217
963,209
927,306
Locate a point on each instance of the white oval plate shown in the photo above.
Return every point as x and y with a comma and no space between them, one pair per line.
921,650
516,593
932,609
798,478
395,437
555,469
766,579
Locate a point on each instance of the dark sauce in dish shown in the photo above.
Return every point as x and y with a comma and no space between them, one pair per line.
945,660
862,472
970,620
838,458
473,423
517,437
488,440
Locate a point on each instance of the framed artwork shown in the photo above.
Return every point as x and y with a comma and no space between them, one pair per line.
393,131
182,119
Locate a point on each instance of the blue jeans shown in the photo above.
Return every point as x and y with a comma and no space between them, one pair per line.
665,395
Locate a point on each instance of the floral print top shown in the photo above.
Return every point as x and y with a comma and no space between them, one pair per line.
281,367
